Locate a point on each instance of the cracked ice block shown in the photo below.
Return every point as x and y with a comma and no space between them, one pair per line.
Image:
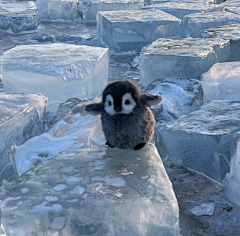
181,1
75,130
58,71
21,118
181,96
131,30
17,16
232,179
58,9
180,58
202,139
195,23
181,9
110,5
128,191
222,82
229,32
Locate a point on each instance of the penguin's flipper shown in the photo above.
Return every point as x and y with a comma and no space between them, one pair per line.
148,99
94,108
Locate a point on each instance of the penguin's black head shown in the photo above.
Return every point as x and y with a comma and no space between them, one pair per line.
120,97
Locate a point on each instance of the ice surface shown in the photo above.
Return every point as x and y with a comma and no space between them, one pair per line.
123,205
58,9
195,23
232,179
68,70
181,9
180,97
233,9
131,30
74,131
181,58
17,16
222,82
95,6
21,118
202,139
230,32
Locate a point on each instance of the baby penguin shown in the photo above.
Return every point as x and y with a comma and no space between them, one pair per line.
126,116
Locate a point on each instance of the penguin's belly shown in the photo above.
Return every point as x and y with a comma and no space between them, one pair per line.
125,131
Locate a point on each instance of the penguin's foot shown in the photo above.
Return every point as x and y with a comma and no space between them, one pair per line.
109,145
139,146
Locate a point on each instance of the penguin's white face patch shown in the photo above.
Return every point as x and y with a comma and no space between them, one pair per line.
128,103
109,105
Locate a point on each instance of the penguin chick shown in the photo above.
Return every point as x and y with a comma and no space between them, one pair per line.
127,119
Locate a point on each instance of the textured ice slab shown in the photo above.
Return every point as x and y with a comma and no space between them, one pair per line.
230,32
181,58
181,96
181,9
222,82
17,16
195,23
131,30
232,179
202,139
58,71
128,191
75,131
95,6
21,118
58,9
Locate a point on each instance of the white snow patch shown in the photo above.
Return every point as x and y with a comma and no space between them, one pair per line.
67,169
77,190
24,190
113,181
51,198
72,178
42,208
60,187
205,209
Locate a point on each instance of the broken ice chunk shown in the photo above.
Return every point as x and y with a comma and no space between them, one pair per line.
202,139
222,82
180,97
195,23
180,58
58,9
21,118
17,16
232,179
122,205
230,32
95,6
181,9
67,70
131,30
72,132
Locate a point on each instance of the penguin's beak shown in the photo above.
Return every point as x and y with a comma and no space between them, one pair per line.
117,109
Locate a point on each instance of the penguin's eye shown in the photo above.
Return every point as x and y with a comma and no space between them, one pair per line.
109,103
127,102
